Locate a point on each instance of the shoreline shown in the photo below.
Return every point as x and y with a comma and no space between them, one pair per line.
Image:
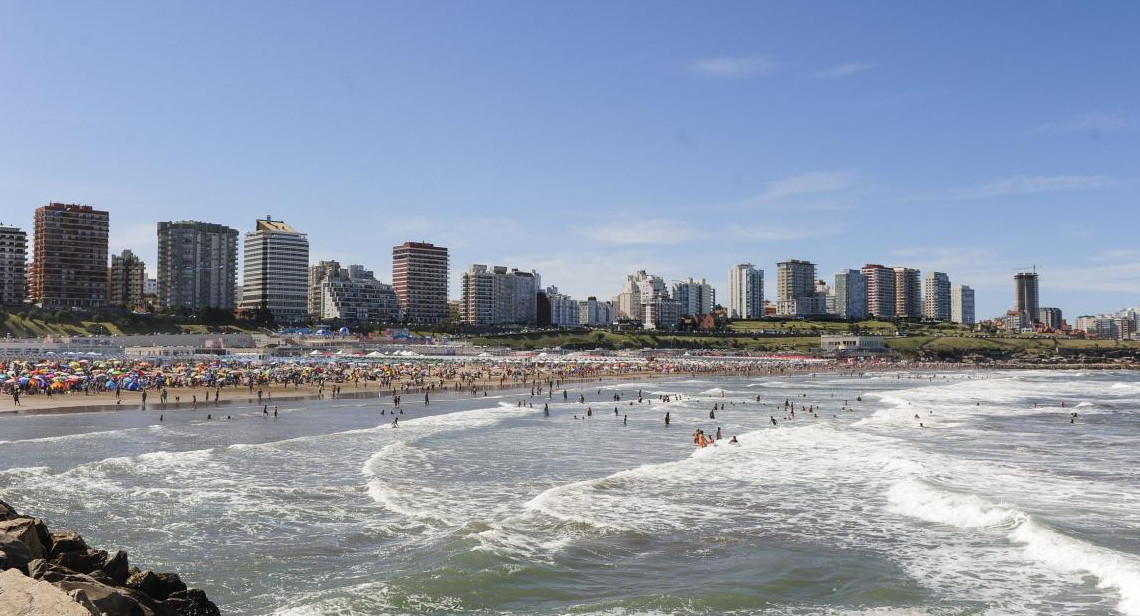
42,404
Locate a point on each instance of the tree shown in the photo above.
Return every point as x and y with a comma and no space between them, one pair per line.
263,317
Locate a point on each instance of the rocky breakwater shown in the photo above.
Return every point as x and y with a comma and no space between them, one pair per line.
44,573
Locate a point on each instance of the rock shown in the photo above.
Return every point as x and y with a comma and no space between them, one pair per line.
20,595
7,512
108,599
117,568
14,554
27,531
171,583
85,561
80,597
66,541
158,585
44,535
192,602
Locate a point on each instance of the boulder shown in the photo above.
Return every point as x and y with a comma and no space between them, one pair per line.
84,561
14,554
7,512
44,535
192,602
108,599
20,595
66,541
159,586
117,568
26,531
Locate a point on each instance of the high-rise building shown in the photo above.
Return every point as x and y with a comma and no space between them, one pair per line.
936,304
962,305
69,263
637,289
908,293
564,311
498,296
1025,296
660,312
795,289
419,275
276,271
645,298
127,280
527,286
13,265
880,290
197,265
1050,317
696,298
593,313
745,292
349,294
851,295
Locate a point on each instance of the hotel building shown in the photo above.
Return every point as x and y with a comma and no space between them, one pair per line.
13,265
419,275
197,265
276,271
69,262
745,292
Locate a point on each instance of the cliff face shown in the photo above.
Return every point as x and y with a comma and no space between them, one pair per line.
46,573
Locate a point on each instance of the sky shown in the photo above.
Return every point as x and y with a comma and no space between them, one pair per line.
588,140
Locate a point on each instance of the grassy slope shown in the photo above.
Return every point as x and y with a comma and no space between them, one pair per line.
23,327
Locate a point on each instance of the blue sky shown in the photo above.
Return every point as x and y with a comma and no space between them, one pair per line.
588,140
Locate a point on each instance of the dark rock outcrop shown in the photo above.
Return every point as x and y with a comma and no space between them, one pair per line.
66,541
60,566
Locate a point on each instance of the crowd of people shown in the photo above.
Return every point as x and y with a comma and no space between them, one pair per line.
206,378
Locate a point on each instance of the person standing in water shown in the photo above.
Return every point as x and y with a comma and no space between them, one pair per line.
666,418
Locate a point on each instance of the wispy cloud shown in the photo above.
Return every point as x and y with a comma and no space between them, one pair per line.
819,191
812,183
737,67
651,231
1022,185
1092,124
842,70
787,233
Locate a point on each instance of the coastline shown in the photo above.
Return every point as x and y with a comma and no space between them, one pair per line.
276,394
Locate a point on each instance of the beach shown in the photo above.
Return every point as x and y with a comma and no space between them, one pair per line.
47,385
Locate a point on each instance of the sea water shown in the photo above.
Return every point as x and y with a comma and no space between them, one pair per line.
941,494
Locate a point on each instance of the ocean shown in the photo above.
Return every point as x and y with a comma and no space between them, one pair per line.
1000,502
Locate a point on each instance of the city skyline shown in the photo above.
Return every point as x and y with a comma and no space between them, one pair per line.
914,301
516,143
